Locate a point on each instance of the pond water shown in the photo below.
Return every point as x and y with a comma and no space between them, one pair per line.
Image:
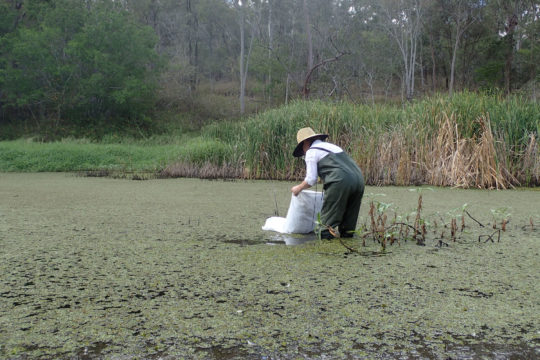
180,268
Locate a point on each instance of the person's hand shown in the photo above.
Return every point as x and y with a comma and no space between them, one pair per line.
296,189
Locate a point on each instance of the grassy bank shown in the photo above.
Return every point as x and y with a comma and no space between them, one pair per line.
81,155
469,140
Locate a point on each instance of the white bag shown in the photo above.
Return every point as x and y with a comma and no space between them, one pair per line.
301,216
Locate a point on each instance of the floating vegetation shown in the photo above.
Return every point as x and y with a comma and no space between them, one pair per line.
104,268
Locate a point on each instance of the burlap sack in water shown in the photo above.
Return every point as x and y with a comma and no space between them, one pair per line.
301,216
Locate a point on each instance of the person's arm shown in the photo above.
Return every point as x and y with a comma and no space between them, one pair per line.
311,175
298,188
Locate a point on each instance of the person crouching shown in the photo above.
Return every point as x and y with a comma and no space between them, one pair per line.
342,179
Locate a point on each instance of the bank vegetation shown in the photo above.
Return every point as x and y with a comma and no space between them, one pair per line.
467,141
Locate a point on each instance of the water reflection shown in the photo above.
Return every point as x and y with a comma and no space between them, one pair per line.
291,239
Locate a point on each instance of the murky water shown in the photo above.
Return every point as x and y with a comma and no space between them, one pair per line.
102,268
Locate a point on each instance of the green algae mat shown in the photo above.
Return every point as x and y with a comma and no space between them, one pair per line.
98,268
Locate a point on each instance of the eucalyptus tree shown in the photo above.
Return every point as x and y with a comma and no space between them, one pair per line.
460,14
526,45
324,44
373,61
297,42
531,49
433,24
509,16
198,42
249,13
402,22
286,50
309,39
506,26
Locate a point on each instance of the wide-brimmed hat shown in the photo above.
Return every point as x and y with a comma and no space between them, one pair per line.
305,134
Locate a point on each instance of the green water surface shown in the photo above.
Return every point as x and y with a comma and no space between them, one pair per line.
180,268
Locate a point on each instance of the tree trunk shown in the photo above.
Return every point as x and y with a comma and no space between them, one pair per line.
421,65
242,51
410,68
270,48
193,47
309,42
307,79
287,89
406,38
434,64
510,29
453,63
244,58
533,63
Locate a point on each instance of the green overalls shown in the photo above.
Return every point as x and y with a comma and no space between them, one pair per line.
343,191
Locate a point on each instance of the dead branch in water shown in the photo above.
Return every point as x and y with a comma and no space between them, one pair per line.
490,237
478,222
418,232
348,247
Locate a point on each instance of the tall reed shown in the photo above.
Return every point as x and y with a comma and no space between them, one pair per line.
468,140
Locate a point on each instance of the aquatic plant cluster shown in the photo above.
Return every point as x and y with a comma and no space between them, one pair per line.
468,140
385,225
180,268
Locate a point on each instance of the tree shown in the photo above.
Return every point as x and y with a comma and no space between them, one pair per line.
403,25
80,64
309,40
10,15
460,14
532,52
511,9
243,8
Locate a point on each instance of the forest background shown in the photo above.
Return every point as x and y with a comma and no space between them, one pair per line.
224,76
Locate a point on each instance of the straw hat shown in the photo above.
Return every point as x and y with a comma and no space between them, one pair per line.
305,134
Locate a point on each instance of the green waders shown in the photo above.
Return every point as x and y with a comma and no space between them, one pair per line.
343,191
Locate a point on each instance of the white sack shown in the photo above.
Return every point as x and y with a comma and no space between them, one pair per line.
301,215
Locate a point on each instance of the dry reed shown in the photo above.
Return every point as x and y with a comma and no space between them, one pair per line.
446,159
206,170
468,141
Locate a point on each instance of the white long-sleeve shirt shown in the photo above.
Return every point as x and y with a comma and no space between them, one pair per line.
313,156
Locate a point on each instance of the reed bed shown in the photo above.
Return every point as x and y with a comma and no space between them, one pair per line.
469,140
206,170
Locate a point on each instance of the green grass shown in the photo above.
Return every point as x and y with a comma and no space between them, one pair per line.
77,155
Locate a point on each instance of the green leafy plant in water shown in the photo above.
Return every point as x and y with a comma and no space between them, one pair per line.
380,229
455,215
420,223
387,230
320,226
501,215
